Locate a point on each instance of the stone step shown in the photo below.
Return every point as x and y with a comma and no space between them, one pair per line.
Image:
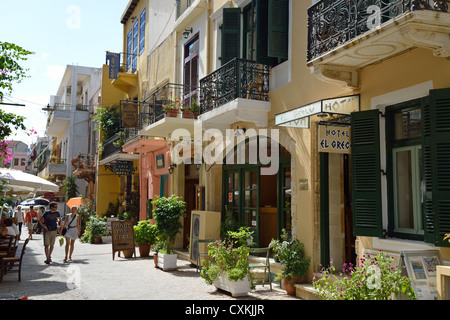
305,291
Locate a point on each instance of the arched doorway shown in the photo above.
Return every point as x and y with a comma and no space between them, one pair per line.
260,202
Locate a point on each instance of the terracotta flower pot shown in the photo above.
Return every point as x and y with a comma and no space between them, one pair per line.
172,113
98,240
155,259
187,114
144,250
289,287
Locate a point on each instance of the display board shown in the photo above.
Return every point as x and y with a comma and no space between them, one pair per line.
122,234
421,267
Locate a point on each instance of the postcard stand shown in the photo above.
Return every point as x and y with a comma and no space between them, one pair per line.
421,268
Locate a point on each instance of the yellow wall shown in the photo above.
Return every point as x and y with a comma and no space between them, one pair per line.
413,68
139,91
107,184
403,71
108,189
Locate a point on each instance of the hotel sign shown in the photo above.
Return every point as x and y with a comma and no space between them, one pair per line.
334,139
299,117
122,168
113,60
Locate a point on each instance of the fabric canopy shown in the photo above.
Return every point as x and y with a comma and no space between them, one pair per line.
21,181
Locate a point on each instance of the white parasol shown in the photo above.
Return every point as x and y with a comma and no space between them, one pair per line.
21,181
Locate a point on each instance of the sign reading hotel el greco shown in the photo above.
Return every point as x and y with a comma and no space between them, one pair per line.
299,117
334,139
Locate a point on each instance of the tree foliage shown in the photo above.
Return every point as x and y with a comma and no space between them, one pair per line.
10,69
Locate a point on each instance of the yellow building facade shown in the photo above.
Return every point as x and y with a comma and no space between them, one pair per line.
291,71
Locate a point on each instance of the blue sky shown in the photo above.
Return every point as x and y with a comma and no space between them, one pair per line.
59,32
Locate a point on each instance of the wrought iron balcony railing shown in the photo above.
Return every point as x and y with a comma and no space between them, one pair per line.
156,106
332,23
110,146
238,78
182,6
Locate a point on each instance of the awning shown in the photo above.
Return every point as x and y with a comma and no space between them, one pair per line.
21,181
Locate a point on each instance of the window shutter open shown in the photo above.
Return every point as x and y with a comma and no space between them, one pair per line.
262,34
278,28
366,174
231,31
436,155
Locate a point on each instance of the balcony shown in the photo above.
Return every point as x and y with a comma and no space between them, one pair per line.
157,120
53,169
59,117
112,150
238,91
187,11
344,36
84,166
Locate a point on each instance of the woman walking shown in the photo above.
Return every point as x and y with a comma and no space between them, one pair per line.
18,215
73,232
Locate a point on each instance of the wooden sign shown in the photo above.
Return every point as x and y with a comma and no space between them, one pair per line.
333,139
130,114
122,234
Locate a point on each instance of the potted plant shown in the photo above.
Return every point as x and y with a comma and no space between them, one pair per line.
95,229
371,278
167,213
186,113
144,237
291,254
195,108
158,246
171,107
228,268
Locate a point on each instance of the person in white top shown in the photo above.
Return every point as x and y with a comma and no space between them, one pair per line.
11,227
18,216
73,232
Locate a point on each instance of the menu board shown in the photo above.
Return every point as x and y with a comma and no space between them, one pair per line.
421,266
122,234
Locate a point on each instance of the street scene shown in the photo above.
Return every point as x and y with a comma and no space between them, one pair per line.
237,150
94,275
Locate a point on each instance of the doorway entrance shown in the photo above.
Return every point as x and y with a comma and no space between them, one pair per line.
260,202
336,222
191,181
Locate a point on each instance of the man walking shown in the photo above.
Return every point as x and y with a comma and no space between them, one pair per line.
31,217
50,222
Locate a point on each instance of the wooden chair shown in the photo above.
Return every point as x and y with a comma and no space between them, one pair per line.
14,262
260,265
201,254
6,246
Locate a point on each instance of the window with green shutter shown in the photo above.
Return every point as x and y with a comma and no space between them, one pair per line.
418,169
278,38
264,32
231,34
436,146
366,174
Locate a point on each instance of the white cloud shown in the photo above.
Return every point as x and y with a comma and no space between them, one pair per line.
55,72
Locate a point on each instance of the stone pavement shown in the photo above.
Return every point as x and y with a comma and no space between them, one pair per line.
94,275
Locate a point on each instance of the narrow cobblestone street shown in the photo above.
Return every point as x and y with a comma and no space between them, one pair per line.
94,275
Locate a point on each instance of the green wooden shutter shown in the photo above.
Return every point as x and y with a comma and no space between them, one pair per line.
262,34
278,28
436,153
231,34
427,176
366,174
